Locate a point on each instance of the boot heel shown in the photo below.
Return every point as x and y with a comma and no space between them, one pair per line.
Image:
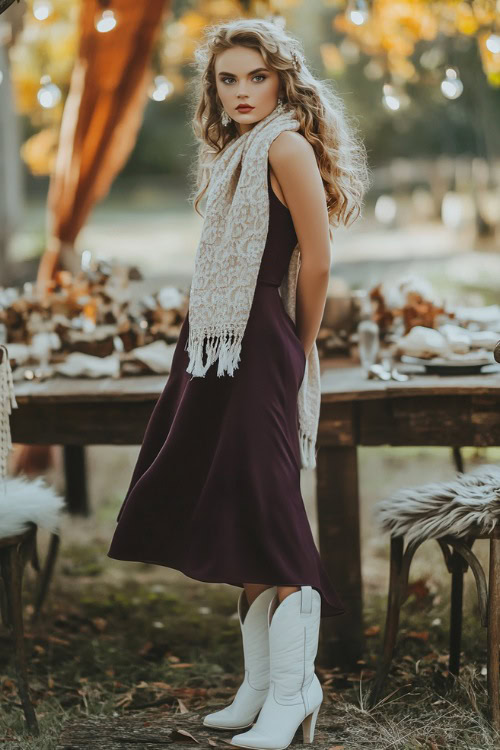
308,726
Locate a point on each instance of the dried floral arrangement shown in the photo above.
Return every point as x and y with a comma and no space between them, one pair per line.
92,312
410,302
409,313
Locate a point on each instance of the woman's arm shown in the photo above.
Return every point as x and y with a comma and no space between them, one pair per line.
293,161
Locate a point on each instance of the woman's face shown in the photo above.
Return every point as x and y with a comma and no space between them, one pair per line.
242,77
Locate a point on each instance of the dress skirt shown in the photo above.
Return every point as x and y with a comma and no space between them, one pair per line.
215,492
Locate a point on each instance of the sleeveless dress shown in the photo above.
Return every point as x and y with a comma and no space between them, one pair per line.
215,492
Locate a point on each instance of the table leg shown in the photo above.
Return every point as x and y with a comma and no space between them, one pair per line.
45,575
76,480
339,541
11,566
493,636
456,610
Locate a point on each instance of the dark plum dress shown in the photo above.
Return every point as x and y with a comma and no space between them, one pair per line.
216,490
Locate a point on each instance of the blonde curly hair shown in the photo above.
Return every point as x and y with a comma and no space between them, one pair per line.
340,155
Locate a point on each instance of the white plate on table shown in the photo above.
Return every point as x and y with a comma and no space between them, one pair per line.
468,365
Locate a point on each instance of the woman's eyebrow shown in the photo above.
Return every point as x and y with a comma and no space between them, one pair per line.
225,73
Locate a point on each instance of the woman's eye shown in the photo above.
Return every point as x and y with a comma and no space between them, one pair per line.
230,78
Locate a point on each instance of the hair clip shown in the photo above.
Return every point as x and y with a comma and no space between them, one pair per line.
296,60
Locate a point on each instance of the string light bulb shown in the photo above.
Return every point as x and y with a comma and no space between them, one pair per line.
160,89
106,21
42,9
451,85
389,98
48,95
493,43
394,98
358,12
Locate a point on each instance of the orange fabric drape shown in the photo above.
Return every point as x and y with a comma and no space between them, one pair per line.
101,118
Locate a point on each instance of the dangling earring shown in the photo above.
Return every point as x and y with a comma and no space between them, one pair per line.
280,108
224,118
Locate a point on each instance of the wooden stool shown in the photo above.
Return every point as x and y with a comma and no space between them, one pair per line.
14,553
24,506
457,560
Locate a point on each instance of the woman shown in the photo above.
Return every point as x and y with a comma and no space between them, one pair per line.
216,489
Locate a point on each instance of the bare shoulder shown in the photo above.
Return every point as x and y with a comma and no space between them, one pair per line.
291,146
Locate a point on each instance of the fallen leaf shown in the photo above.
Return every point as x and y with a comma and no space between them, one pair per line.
422,635
182,706
60,641
99,623
125,700
190,692
419,588
182,734
433,655
442,658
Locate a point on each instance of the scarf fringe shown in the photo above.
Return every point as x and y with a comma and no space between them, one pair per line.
307,450
217,347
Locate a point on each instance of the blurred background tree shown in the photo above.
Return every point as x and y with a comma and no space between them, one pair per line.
421,76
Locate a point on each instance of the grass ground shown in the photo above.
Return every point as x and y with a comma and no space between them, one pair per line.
125,639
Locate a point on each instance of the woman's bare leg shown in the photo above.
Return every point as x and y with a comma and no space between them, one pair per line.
253,590
284,591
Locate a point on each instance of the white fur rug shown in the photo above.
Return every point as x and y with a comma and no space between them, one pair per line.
23,500
438,508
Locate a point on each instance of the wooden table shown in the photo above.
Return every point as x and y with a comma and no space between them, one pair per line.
424,411
427,410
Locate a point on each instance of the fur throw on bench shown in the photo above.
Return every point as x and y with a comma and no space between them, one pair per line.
433,510
23,500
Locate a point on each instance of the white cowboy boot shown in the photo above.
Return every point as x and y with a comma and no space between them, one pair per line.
295,693
253,690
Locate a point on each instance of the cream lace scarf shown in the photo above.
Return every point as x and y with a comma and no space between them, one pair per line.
227,263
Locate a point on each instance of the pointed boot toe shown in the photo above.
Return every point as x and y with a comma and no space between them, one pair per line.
251,739
251,694
241,713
